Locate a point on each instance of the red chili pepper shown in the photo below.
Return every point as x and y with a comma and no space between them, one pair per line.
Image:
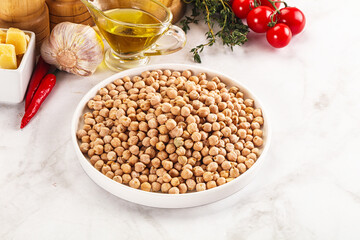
40,71
40,95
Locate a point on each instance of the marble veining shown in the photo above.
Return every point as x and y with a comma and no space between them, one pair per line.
308,187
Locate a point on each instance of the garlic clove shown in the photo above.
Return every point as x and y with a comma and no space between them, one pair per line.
74,48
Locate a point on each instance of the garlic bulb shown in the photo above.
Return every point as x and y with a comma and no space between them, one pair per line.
73,48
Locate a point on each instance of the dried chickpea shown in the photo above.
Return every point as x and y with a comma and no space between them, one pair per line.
219,159
110,174
182,160
231,156
105,169
220,181
196,136
191,184
248,138
241,167
249,163
126,168
165,187
256,151
135,175
84,147
185,111
161,118
160,146
226,165
152,178
94,159
139,166
207,176
165,129
203,111
212,167
207,127
170,124
174,190
200,187
145,186
258,141
134,183
99,164
257,133
224,174
182,188
155,164
205,151
174,173
186,174
81,133
192,127
249,145
260,120
170,148
167,165
245,152
171,93
234,172
198,146
213,151
126,178
210,184
188,144
118,179
213,140
175,182
99,149
111,156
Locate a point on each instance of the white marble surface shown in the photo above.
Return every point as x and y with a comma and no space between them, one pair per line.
308,188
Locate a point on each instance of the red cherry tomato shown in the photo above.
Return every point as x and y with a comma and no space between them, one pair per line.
267,3
259,18
279,36
294,18
241,8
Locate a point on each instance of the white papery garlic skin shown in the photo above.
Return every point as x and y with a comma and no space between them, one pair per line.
74,48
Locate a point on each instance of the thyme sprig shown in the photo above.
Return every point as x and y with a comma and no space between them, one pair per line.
217,14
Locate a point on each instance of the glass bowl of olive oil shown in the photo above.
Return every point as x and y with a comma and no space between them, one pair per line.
132,29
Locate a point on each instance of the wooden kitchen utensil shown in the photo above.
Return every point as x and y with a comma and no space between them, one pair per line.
177,8
32,15
68,11
76,12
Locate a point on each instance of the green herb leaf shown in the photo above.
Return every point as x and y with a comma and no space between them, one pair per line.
216,14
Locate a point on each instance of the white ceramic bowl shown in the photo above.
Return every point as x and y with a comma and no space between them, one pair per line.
159,199
14,82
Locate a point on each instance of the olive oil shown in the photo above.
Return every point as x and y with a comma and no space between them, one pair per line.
131,38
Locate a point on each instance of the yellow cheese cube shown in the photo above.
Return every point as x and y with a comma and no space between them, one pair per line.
7,56
17,38
2,36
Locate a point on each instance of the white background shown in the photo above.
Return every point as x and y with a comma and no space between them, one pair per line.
308,187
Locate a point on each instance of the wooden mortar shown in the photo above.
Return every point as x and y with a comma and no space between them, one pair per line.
177,8
32,15
68,11
76,12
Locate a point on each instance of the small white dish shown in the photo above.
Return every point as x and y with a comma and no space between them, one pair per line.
14,82
162,200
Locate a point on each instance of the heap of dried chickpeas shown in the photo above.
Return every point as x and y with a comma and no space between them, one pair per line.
171,131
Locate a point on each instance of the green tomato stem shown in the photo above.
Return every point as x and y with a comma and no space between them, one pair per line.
277,11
